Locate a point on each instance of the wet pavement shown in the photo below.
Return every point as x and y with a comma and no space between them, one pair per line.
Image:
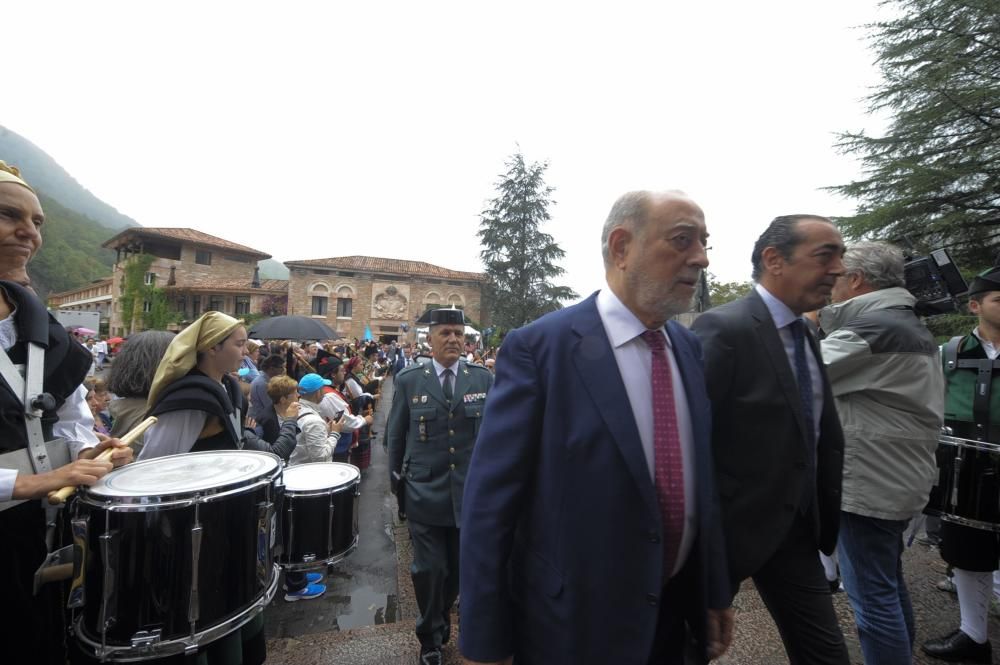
367,618
361,590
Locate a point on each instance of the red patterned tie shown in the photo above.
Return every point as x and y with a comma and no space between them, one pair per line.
668,461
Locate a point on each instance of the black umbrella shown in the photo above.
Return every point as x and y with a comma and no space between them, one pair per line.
291,327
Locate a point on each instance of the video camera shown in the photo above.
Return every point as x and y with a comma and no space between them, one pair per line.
936,283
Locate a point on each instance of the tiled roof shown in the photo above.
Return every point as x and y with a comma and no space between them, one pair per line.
391,266
90,285
230,285
184,235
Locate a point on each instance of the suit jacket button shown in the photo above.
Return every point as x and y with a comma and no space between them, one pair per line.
451,432
453,466
654,537
451,450
652,599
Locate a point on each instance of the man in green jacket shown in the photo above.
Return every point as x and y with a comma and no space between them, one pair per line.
432,427
972,410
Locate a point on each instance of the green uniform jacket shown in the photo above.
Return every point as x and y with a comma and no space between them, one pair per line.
430,444
961,390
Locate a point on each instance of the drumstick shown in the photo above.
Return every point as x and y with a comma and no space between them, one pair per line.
59,497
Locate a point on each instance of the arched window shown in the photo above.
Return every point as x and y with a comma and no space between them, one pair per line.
320,292
345,301
456,300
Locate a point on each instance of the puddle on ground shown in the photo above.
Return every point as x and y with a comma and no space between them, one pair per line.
368,608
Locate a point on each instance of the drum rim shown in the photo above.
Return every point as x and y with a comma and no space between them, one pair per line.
960,442
153,501
320,491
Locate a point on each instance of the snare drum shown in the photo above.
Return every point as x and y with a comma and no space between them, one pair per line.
320,519
179,552
968,486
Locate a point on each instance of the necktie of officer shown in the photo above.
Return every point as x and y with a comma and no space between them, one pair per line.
446,386
804,378
668,461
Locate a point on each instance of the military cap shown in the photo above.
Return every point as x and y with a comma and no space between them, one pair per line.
988,280
447,315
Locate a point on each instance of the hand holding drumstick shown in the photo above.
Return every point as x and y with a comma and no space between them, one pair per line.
96,462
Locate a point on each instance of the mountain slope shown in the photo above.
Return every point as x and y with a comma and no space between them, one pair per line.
71,254
45,174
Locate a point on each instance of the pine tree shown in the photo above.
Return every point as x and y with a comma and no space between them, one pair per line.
934,179
519,257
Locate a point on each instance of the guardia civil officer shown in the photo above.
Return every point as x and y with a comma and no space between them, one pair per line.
46,433
972,411
432,427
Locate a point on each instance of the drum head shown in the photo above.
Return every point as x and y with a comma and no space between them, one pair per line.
191,473
319,476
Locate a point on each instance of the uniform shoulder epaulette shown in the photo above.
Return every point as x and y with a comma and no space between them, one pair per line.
476,366
413,367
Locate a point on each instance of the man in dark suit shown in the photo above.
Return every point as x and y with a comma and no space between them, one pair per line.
778,444
432,426
590,531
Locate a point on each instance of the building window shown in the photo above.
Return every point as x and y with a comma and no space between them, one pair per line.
149,279
236,258
147,306
203,257
344,308
319,305
195,307
216,303
242,305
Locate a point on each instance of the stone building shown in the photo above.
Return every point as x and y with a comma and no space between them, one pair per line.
352,293
198,272
94,297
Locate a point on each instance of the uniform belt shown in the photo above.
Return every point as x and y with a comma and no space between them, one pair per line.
20,460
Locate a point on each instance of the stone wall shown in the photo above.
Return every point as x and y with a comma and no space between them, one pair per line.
382,302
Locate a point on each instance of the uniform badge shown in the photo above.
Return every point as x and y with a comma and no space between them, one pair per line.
415,399
423,399
423,431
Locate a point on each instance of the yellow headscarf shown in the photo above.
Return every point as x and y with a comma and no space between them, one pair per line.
182,355
12,174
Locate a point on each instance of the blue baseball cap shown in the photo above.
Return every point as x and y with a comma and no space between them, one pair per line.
310,383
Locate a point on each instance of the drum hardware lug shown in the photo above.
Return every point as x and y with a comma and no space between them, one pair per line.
145,638
77,592
953,499
329,526
194,605
265,530
107,616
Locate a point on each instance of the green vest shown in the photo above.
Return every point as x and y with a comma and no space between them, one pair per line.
962,358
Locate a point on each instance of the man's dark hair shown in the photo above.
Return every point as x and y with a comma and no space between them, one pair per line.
135,365
781,234
272,362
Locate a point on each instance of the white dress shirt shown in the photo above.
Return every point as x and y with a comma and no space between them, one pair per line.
635,364
783,317
439,371
991,351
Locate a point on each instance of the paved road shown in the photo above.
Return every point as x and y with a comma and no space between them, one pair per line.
361,591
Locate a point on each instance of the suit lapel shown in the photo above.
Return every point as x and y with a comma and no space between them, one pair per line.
775,349
693,378
598,372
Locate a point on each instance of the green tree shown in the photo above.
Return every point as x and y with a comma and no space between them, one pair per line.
720,293
519,257
933,179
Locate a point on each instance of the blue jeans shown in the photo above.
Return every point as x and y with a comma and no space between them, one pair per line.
871,566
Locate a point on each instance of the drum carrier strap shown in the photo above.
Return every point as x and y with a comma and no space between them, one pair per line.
984,383
30,393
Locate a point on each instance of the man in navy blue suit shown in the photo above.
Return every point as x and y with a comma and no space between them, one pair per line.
590,529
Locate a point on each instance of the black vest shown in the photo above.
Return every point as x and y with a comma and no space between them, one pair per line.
66,364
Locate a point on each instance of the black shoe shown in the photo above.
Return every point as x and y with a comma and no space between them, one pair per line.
446,635
835,586
430,656
958,647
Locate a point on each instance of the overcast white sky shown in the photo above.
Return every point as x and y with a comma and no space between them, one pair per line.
316,129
